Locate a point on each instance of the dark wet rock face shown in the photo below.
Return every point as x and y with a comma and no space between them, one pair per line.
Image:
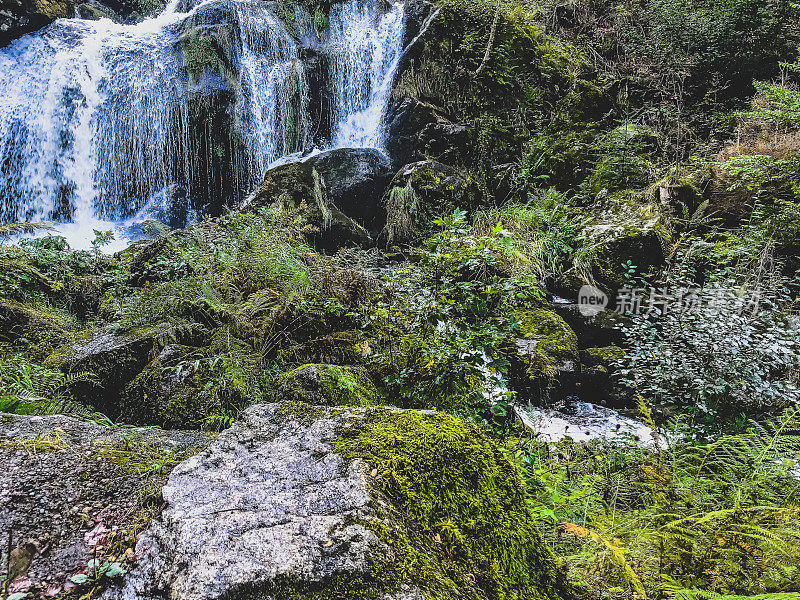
18,17
67,487
112,361
268,508
355,179
338,192
417,130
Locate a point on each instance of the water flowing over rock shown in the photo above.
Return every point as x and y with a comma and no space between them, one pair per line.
184,112
364,59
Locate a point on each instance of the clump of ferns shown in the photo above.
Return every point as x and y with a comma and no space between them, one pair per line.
27,388
709,518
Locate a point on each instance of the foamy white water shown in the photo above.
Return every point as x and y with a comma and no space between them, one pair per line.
582,422
365,47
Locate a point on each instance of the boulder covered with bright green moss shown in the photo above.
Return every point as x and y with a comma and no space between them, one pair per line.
329,385
344,504
544,356
624,227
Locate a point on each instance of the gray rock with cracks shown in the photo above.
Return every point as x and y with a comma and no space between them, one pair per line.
268,508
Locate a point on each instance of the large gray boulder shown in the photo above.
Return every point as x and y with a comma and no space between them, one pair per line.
338,192
356,179
296,501
269,508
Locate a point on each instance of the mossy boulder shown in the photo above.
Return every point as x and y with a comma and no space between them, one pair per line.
20,323
328,385
421,191
626,227
544,357
345,504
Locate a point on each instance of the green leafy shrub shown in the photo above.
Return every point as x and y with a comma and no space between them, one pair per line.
682,517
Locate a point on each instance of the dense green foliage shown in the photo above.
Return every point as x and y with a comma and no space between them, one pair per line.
653,144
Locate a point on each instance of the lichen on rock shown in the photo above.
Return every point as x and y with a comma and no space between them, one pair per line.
344,504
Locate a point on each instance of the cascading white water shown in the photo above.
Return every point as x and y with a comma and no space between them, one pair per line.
365,46
99,120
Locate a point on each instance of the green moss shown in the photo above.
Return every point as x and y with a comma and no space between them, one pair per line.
603,356
626,226
202,52
554,338
136,455
296,410
46,442
463,526
329,385
21,323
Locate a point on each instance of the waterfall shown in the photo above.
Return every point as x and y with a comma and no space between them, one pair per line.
101,121
364,48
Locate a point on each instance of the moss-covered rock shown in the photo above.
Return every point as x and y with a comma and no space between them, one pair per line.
20,323
345,504
626,227
329,385
463,527
544,357
554,338
421,191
